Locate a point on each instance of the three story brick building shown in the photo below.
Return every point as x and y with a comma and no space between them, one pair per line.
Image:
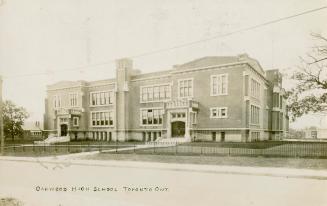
211,99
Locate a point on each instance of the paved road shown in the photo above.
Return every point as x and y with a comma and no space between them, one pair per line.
22,179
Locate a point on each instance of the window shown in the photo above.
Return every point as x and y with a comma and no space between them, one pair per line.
223,112
177,115
255,89
218,112
155,116
219,84
63,120
144,94
106,118
103,118
167,93
276,100
314,134
255,113
185,88
162,93
193,117
93,118
214,112
266,94
155,93
151,116
75,121
150,93
56,101
101,98
73,100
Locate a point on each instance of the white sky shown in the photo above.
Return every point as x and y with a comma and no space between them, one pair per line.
38,36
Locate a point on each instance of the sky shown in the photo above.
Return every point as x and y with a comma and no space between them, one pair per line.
46,41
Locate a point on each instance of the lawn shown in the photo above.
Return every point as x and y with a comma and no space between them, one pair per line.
63,148
249,145
267,149
304,163
20,141
9,142
94,142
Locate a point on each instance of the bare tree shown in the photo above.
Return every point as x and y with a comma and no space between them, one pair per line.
310,92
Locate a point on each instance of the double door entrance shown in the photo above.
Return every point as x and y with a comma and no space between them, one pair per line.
177,129
63,130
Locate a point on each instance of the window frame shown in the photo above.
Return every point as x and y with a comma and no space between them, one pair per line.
181,82
101,98
77,124
157,116
73,98
155,93
255,88
218,112
255,115
57,101
99,118
217,85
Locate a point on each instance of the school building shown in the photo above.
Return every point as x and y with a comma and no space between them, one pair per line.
214,98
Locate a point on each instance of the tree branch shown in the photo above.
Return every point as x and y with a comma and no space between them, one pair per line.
317,60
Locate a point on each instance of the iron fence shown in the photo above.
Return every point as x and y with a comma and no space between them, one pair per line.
58,149
267,149
271,149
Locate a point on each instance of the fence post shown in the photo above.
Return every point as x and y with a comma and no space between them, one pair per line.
134,148
228,151
154,147
175,148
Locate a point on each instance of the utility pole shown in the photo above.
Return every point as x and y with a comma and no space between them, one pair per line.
2,137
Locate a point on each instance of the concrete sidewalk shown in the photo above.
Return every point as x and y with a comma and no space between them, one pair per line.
218,169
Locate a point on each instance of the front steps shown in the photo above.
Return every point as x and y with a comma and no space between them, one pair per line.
53,139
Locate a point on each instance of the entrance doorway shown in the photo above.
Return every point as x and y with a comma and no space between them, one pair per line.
63,130
214,136
143,136
178,129
222,135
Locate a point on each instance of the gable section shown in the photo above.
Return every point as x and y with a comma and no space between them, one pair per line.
208,61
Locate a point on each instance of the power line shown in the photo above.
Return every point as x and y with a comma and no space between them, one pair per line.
233,32
181,45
